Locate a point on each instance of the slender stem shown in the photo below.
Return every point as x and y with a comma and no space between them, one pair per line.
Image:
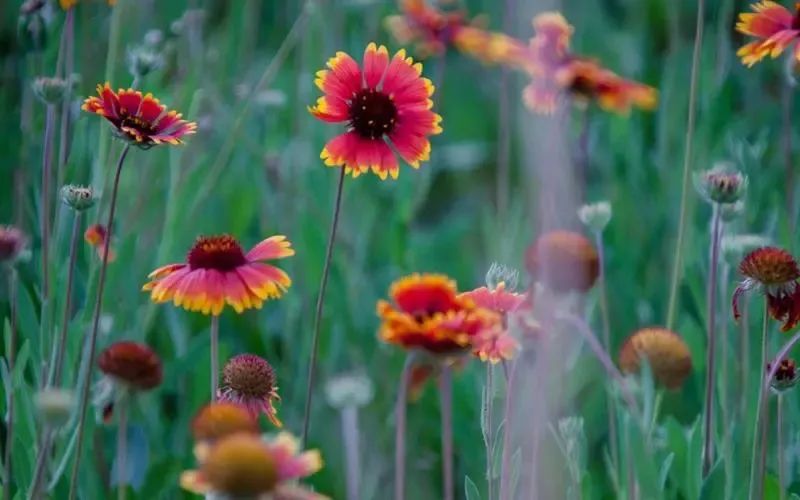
320,303
62,338
489,426
744,352
687,162
349,416
10,359
787,98
505,467
762,457
779,448
42,457
47,160
754,486
122,448
400,432
605,315
83,403
504,126
64,137
446,402
214,356
711,305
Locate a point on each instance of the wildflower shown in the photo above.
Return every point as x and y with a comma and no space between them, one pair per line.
776,272
249,380
131,364
721,185
490,47
430,28
555,71
51,90
247,466
785,375
775,28
595,216
12,243
78,198
95,235
217,271
665,351
428,314
349,390
388,100
495,345
220,419
498,299
140,120
55,406
563,261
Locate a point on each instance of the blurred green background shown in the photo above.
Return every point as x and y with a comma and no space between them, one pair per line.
253,171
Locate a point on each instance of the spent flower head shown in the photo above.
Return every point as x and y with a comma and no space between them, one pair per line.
249,380
78,198
595,216
722,184
775,272
349,390
51,90
563,261
786,375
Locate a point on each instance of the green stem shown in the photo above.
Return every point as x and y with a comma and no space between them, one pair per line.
489,426
711,348
98,307
11,360
755,484
604,313
214,356
687,162
446,403
779,448
122,447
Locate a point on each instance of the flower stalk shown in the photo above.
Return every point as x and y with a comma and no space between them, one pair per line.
92,346
320,305
400,431
349,421
10,359
122,447
711,315
756,471
214,356
446,402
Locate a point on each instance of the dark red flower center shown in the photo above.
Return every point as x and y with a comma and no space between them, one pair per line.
135,122
222,253
249,375
372,113
786,371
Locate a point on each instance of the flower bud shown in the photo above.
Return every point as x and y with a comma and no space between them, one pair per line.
51,90
349,390
498,273
722,184
12,243
55,406
143,61
595,216
78,198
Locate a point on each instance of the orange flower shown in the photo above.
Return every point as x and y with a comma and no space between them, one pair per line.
218,420
555,71
384,99
140,120
249,380
428,314
247,466
217,271
563,261
774,27
95,235
430,28
776,273
666,353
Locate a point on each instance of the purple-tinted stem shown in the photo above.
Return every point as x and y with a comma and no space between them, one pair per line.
83,403
446,402
505,467
122,448
504,126
68,41
214,366
779,448
604,313
711,314
489,426
47,163
756,490
10,359
400,432
349,416
62,338
312,362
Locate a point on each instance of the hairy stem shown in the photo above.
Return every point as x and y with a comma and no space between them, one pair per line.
711,315
320,304
83,402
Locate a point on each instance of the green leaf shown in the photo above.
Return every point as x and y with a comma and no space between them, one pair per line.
714,485
470,490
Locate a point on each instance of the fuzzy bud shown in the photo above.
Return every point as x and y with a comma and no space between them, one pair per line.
55,406
595,216
722,184
51,90
78,198
349,390
498,273
144,60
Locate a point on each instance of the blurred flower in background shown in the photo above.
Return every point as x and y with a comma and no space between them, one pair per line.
665,351
775,28
12,244
785,377
95,235
563,261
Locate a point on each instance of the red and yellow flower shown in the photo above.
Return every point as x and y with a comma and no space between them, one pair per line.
431,29
95,235
220,419
249,380
246,466
385,100
775,272
217,272
556,72
139,119
498,299
495,344
775,28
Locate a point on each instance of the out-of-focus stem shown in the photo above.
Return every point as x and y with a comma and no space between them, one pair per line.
68,42
122,448
711,314
400,432
10,359
62,338
787,101
677,266
98,308
320,304
504,126
47,161
214,356
604,313
489,426
349,416
779,448
755,479
505,467
446,402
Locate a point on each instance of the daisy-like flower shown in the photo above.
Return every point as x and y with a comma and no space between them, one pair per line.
128,368
217,271
775,272
386,99
220,419
773,26
666,353
555,71
430,29
95,235
498,299
12,243
249,380
563,261
247,466
786,375
139,119
495,345
428,314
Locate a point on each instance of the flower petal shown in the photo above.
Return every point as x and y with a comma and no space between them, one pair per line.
274,247
376,59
